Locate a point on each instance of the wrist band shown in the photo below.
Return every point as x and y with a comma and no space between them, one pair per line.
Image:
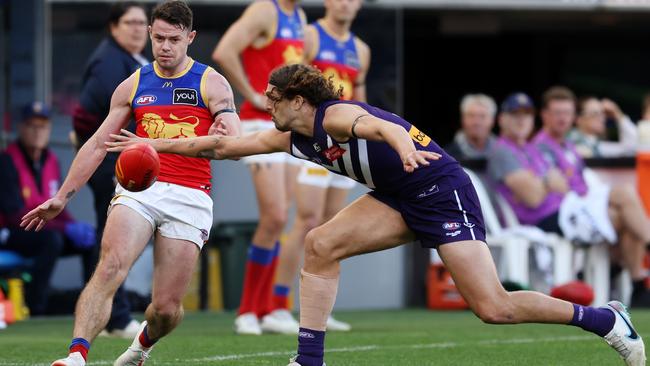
225,110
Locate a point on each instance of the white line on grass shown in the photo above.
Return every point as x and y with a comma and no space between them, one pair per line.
372,347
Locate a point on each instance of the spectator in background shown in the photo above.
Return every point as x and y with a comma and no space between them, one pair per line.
589,133
475,138
644,124
30,174
117,56
597,212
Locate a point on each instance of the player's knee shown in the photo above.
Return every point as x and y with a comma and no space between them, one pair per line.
273,220
491,312
321,247
309,220
110,269
167,307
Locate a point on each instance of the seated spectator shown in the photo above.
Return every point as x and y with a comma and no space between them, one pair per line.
31,175
593,214
643,126
589,133
475,138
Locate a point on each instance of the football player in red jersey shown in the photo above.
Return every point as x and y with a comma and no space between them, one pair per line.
268,34
175,97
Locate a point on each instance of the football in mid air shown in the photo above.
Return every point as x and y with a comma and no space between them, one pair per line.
137,167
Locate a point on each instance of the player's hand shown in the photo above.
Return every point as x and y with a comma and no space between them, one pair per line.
415,159
612,109
38,217
226,126
126,139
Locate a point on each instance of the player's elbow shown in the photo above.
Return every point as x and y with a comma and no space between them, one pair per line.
220,56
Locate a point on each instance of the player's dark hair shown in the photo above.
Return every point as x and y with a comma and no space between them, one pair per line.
306,81
119,8
174,12
557,93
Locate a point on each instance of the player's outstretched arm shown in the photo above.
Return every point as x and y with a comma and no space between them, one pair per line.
251,28
212,147
344,121
88,158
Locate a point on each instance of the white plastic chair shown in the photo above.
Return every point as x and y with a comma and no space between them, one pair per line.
562,249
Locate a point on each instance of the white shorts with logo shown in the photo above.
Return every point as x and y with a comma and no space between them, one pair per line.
585,219
312,174
177,212
256,125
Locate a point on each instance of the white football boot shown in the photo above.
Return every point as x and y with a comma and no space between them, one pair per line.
127,332
337,325
623,338
292,361
136,354
280,321
73,359
247,324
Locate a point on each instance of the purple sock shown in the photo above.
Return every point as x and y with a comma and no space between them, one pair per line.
311,345
595,320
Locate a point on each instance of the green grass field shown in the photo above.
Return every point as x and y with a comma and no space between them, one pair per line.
408,337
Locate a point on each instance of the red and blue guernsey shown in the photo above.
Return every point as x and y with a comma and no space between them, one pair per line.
338,60
174,107
286,47
376,164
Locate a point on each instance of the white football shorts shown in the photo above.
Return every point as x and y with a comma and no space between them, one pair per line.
256,125
312,174
177,212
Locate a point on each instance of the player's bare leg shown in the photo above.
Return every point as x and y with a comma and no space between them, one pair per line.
482,290
125,236
310,203
336,200
270,187
269,182
366,225
480,286
174,264
633,228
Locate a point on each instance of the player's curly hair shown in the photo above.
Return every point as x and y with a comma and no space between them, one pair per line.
174,12
306,81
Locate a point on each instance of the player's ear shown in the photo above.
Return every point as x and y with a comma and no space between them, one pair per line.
191,36
298,102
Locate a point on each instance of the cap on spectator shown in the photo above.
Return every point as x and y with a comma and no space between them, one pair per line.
36,109
517,101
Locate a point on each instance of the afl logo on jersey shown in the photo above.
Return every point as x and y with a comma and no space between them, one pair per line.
286,33
451,226
146,99
185,96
